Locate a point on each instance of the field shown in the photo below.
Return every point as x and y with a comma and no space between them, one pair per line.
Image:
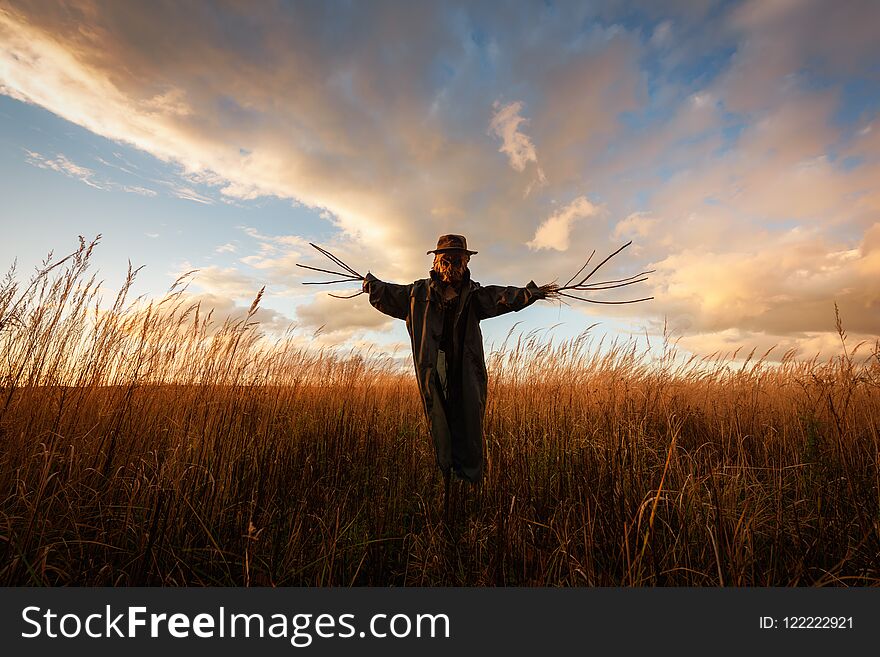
148,444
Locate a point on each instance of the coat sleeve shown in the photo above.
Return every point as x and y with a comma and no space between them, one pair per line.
494,300
389,298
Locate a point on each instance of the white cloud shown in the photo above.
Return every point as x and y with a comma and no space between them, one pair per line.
189,194
518,147
136,189
62,164
704,99
638,224
554,232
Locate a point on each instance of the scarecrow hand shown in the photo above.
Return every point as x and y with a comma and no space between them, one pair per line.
550,291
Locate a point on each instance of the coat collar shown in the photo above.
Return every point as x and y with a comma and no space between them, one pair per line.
435,290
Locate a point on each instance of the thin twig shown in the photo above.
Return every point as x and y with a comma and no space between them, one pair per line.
326,271
596,268
341,280
350,296
344,276
572,296
577,273
598,286
336,260
621,280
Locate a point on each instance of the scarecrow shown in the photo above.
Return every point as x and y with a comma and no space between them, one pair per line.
443,314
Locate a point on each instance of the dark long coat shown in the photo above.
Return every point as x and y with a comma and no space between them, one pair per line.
455,420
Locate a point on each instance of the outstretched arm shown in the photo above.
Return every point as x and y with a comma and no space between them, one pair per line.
494,300
389,298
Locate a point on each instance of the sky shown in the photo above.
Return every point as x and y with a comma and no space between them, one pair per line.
737,144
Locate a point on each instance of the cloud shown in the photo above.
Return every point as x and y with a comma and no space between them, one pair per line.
177,315
61,164
786,284
553,233
226,248
636,225
662,34
136,189
189,194
778,40
226,282
518,147
342,319
807,345
223,308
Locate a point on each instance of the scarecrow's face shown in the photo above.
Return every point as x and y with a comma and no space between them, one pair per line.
451,266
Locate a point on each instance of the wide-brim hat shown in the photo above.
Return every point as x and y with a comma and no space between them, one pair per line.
448,243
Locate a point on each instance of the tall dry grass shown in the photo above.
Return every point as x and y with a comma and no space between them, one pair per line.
151,444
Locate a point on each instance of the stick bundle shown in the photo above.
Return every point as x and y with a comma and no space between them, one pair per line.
347,276
554,291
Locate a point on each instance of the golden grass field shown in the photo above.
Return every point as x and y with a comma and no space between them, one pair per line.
149,444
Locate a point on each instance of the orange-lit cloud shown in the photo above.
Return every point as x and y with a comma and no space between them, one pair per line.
339,320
